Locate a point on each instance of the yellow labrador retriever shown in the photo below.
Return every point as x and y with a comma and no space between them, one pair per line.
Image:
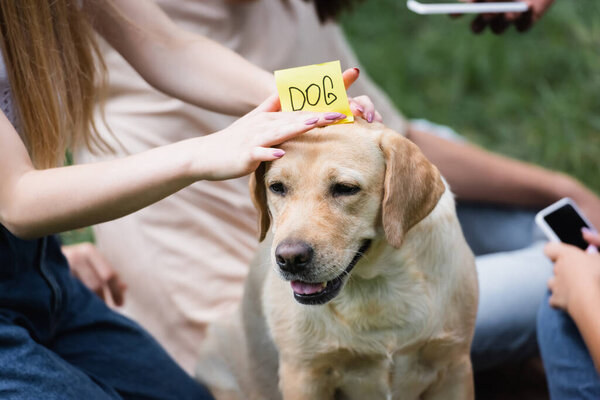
363,288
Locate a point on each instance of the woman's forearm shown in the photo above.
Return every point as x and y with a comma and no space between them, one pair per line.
181,64
42,202
223,82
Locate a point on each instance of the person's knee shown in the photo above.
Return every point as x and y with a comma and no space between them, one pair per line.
549,322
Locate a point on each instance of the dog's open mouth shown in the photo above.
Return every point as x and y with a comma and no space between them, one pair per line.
320,293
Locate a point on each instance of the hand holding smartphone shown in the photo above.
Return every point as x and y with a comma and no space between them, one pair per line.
562,222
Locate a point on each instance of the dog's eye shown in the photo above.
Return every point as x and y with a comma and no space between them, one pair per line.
278,188
342,189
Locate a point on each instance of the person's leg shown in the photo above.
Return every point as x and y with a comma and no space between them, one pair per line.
570,371
28,370
116,351
490,228
511,288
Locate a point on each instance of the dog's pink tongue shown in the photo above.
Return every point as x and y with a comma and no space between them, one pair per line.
306,288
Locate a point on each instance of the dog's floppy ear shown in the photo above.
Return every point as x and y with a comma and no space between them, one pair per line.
412,186
259,198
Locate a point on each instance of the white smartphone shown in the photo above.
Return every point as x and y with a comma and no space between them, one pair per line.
562,222
466,8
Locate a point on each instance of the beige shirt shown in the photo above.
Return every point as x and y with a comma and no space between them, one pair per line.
185,258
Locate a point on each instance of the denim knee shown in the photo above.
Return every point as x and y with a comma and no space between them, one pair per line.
570,371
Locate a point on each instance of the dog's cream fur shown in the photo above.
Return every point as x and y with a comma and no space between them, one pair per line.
402,324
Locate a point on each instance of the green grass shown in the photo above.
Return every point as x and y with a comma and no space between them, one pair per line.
533,96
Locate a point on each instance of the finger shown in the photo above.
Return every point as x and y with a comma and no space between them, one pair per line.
538,8
259,154
357,109
524,21
499,24
271,104
103,269
296,123
553,301
478,24
591,237
553,250
591,249
551,283
117,290
350,76
88,275
512,16
367,106
378,117
105,274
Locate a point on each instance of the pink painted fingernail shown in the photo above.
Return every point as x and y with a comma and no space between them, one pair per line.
585,230
278,153
333,116
311,121
359,108
370,117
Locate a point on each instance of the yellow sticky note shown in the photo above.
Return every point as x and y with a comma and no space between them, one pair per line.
318,87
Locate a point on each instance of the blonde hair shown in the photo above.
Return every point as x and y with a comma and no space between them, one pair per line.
55,70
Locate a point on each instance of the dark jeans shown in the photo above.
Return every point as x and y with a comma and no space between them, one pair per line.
59,341
569,367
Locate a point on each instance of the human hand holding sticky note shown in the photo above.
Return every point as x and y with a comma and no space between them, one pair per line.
318,87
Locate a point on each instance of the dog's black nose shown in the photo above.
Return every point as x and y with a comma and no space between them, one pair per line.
293,255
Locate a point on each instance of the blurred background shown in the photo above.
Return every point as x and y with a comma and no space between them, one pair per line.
534,96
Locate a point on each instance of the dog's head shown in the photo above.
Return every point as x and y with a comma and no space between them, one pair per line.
335,190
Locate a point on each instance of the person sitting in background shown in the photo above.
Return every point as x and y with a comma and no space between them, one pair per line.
568,325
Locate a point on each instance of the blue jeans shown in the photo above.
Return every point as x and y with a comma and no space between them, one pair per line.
59,341
512,272
570,371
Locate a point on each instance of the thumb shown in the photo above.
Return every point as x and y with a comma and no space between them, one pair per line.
271,104
553,250
350,76
266,154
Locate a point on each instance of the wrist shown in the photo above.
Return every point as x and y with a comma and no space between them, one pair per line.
201,159
190,166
